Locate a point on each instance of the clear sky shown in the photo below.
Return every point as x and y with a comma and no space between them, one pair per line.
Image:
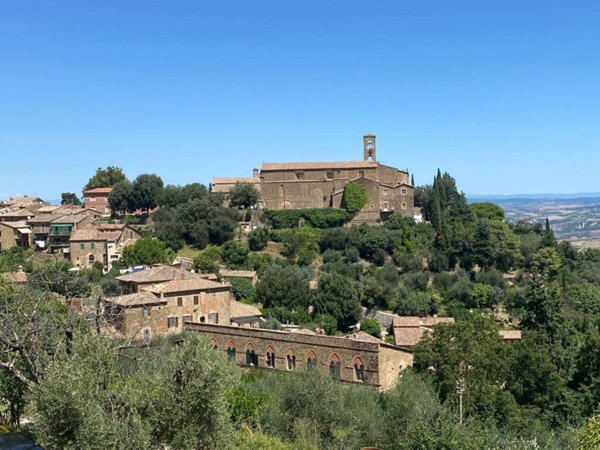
504,95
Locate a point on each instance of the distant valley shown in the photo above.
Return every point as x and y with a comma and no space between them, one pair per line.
573,218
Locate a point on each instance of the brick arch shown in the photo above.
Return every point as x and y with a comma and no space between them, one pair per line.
334,357
358,367
358,361
231,343
249,346
214,343
335,366
290,359
270,356
311,359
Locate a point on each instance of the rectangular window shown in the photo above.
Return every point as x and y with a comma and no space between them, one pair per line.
361,173
187,319
385,205
195,299
329,175
92,245
385,192
179,301
81,246
213,317
146,312
403,191
172,322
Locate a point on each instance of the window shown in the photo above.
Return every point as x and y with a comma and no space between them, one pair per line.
81,246
359,372
251,358
334,369
403,205
172,322
146,312
179,301
299,175
213,317
311,360
385,192
385,205
91,258
231,353
361,173
202,319
146,334
92,245
403,191
291,362
187,318
195,299
92,198
270,359
329,175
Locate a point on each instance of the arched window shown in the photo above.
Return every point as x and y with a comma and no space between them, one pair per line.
270,357
290,358
213,343
359,369
251,356
311,360
231,350
335,365
91,258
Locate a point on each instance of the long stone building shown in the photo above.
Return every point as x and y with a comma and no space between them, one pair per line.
347,359
321,185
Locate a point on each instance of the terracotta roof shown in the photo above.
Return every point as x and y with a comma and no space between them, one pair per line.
414,321
139,298
233,180
239,309
94,234
157,274
510,335
237,273
409,330
22,212
319,165
100,190
17,224
191,285
407,337
75,218
363,337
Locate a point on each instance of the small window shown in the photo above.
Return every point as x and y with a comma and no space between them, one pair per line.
403,191
195,299
361,173
81,246
291,362
403,205
334,369
202,319
187,319
146,312
270,360
385,192
299,175
311,363
386,205
172,322
92,245
92,198
329,175
91,258
251,358
213,317
359,372
231,353
179,301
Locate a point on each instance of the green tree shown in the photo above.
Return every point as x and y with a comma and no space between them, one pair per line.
589,435
257,239
371,326
235,255
105,178
283,286
339,297
546,261
121,197
487,210
69,198
243,195
243,289
147,190
147,251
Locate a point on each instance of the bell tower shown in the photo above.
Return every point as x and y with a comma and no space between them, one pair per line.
369,147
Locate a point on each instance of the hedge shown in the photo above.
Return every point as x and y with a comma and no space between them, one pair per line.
316,217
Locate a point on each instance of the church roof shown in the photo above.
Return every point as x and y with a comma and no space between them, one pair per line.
319,165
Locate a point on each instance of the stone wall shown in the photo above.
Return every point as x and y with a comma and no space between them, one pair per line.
374,357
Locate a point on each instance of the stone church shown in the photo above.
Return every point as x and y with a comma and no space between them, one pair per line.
321,185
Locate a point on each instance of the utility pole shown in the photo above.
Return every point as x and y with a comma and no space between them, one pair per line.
460,390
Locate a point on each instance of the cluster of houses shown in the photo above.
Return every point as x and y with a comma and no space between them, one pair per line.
78,233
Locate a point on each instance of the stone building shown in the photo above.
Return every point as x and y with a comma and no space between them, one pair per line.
98,199
139,279
102,243
61,227
15,234
321,185
224,186
371,362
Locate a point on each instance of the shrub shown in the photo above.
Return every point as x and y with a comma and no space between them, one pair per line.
257,239
316,217
243,288
355,197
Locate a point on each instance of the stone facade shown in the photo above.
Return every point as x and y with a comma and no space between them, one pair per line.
321,185
163,309
97,199
100,242
14,234
374,363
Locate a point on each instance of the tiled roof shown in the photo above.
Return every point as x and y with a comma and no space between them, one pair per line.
101,190
239,309
319,165
75,218
510,335
17,224
139,298
158,274
363,337
409,330
237,273
95,234
23,212
191,285
414,321
233,180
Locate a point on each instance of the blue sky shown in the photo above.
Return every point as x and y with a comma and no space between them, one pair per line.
504,95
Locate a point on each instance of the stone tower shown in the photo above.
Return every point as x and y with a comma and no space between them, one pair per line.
369,147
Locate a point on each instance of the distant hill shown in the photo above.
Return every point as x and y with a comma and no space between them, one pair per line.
494,197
